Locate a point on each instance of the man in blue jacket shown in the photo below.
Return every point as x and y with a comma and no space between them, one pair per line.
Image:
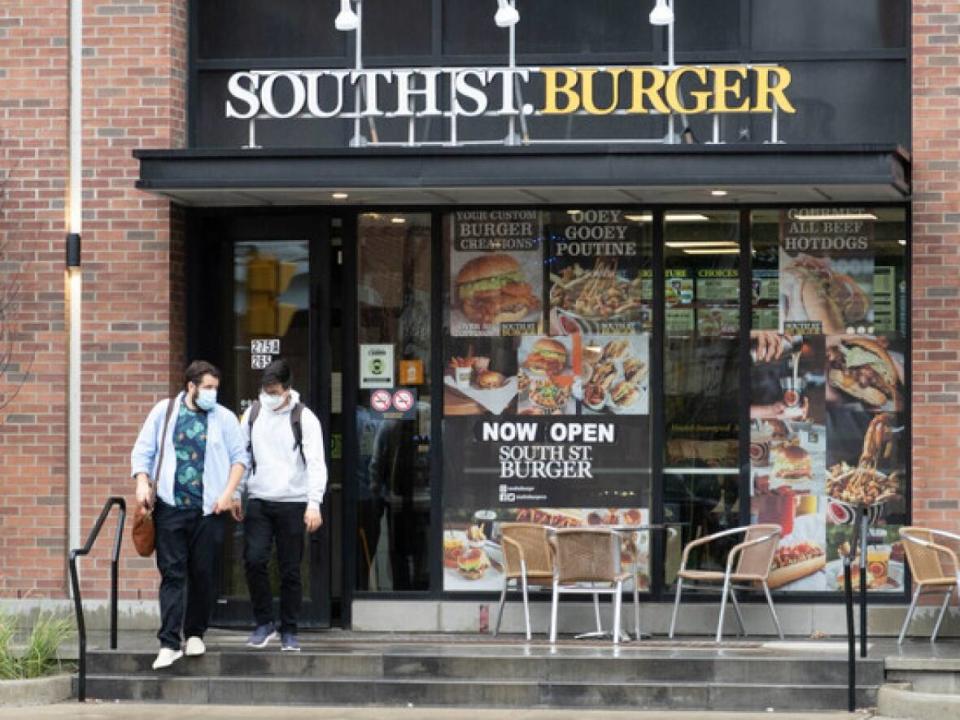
188,461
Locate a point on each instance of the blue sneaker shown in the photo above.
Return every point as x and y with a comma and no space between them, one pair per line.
289,643
262,635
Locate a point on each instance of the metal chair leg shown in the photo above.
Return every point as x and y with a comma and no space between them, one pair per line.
773,612
736,609
943,611
723,607
526,601
596,612
676,608
503,601
636,605
553,612
617,606
906,620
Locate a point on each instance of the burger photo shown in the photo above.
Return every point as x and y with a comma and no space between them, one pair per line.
492,289
546,357
472,563
453,547
490,380
863,369
791,462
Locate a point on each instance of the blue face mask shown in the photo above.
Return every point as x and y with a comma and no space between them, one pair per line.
206,399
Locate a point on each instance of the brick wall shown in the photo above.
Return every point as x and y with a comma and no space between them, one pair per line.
134,96
936,264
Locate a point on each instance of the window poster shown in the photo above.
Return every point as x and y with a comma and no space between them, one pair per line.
596,283
545,425
826,271
827,401
496,273
557,471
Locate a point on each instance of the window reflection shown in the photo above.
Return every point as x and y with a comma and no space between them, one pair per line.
393,470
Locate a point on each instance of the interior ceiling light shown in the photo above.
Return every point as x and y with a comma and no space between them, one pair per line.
670,217
902,242
398,220
507,15
662,13
340,196
820,215
347,19
713,251
703,244
575,212
719,193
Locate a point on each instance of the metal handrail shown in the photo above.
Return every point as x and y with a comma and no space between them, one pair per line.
114,581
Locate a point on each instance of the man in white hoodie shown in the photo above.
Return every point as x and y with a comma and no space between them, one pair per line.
285,486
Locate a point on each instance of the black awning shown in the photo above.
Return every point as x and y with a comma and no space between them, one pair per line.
608,173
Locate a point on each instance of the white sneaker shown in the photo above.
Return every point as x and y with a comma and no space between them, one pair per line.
195,647
166,657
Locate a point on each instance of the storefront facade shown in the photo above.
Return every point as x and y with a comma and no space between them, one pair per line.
579,270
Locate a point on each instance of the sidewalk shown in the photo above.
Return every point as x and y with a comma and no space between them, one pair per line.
124,711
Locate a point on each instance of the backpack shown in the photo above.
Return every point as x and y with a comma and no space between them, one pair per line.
295,425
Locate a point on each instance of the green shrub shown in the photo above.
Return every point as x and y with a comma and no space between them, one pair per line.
39,655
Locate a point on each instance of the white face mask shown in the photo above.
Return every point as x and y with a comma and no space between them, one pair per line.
206,399
271,402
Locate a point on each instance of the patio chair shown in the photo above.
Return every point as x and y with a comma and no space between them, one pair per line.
933,567
586,561
527,560
747,568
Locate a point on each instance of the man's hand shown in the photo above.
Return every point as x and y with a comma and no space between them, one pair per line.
223,504
313,520
144,492
236,509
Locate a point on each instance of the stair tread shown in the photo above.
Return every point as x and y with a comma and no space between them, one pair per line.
459,681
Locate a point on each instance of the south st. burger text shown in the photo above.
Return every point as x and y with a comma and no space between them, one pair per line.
564,458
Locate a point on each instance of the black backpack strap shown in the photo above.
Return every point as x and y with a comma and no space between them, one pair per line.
297,426
254,411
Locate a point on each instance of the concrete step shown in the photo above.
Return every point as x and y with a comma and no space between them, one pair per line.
484,664
353,691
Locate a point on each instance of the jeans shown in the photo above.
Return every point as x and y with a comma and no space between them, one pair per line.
265,522
189,547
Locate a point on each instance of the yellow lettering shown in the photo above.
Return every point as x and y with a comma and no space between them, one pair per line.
701,97
765,90
650,93
555,90
722,86
586,77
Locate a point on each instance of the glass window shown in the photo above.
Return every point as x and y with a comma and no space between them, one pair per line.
268,29
601,26
271,305
841,25
707,25
701,374
393,409
828,345
546,386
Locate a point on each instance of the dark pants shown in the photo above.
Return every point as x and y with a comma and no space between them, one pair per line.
189,546
266,522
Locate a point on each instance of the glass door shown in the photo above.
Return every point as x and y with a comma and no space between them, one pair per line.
264,287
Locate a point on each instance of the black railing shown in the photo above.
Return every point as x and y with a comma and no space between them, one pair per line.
114,581
861,525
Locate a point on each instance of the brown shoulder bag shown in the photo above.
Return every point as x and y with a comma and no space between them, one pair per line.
143,531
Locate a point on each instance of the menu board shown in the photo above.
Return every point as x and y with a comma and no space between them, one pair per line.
544,427
496,275
827,402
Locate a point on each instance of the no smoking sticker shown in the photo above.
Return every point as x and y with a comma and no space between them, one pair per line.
380,400
403,400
